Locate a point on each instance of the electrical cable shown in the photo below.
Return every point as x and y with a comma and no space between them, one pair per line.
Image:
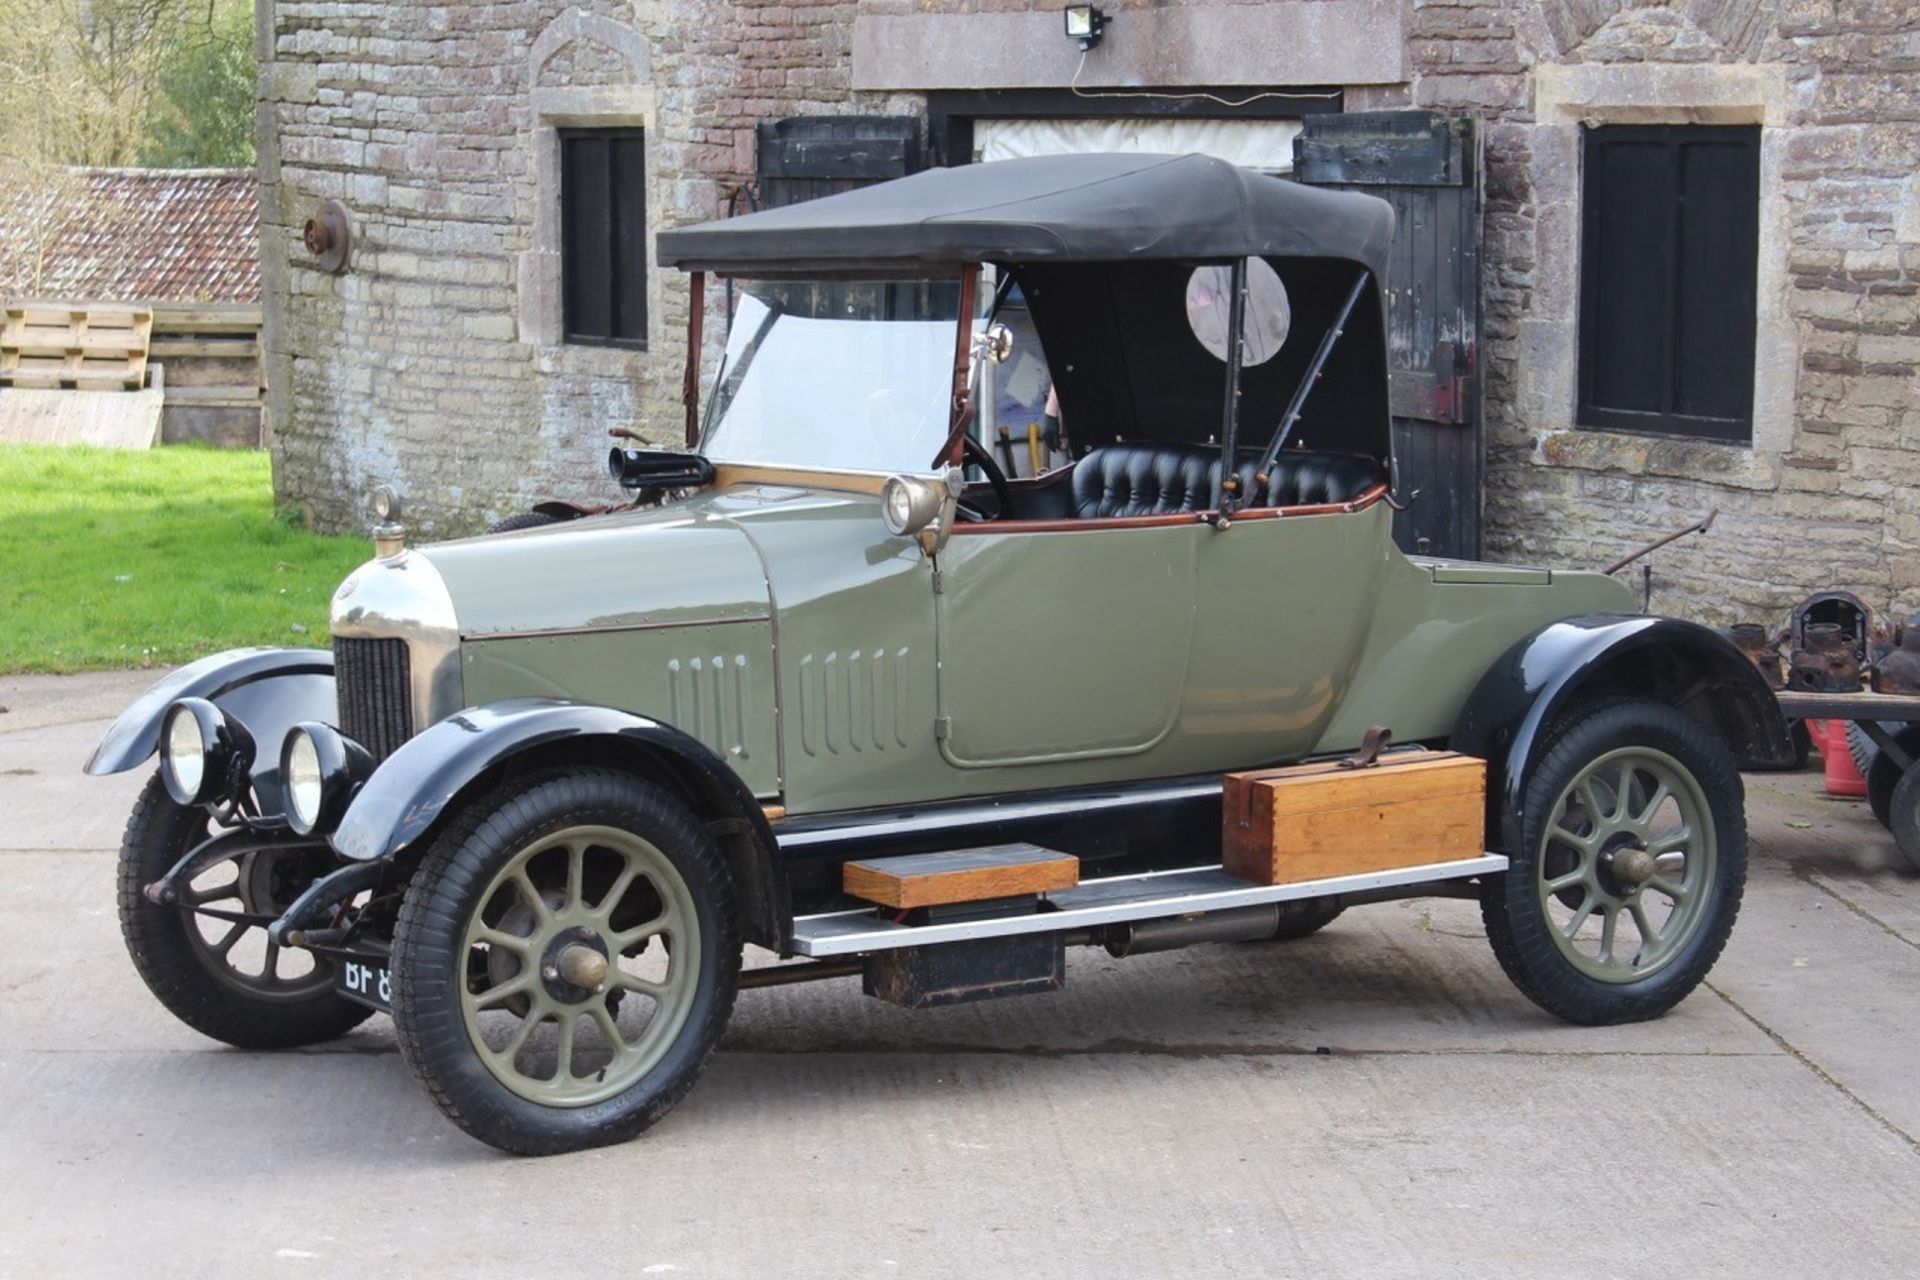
1074,87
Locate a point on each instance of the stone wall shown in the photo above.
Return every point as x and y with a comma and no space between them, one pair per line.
1828,495
435,362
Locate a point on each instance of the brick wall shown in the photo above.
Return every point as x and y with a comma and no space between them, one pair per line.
418,366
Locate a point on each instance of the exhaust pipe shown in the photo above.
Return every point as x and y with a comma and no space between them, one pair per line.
1240,924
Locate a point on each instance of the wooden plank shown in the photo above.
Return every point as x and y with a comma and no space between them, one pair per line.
228,395
207,318
215,348
1801,705
961,875
112,419
1308,822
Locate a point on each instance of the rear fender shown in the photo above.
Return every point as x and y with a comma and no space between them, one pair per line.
424,783
267,690
1603,656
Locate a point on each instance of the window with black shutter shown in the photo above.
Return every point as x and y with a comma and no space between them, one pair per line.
603,250
1670,237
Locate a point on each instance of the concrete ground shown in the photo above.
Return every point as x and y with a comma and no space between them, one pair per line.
1376,1101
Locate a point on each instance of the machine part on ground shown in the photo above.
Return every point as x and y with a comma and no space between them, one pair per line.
1899,670
1762,649
1825,660
1888,764
1904,817
1698,526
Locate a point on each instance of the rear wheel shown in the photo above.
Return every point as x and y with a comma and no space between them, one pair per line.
1631,868
1882,774
213,968
564,962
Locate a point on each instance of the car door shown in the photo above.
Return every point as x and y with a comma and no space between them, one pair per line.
1064,640
1283,603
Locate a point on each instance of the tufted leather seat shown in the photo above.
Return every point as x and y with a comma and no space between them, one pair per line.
1169,479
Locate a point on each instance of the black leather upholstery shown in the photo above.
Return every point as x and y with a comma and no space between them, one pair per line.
1144,480
1301,479
1168,479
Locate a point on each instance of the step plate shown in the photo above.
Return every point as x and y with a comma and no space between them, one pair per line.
1110,901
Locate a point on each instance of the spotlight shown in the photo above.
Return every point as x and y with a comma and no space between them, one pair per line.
1086,23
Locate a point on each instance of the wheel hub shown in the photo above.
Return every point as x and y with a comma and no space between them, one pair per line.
1630,864
574,965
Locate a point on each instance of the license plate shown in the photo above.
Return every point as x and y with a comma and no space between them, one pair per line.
370,984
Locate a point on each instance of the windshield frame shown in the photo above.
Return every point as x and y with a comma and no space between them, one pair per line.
700,425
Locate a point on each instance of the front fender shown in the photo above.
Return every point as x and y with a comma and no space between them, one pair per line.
1680,663
268,690
412,788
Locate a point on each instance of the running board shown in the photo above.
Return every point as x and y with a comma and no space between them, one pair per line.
1149,896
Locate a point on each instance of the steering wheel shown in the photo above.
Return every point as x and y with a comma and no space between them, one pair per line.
980,456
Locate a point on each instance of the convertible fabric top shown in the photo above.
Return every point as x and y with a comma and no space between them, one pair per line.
1077,208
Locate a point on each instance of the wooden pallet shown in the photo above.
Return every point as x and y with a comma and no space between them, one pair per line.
82,348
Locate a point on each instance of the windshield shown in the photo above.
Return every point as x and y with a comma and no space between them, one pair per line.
849,375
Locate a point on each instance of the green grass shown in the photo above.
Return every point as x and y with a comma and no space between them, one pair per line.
123,559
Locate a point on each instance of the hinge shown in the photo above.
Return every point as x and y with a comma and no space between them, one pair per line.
942,728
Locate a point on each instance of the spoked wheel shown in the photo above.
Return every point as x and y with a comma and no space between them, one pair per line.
209,959
564,962
1632,870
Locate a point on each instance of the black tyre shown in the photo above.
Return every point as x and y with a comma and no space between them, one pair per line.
1304,918
1632,865
525,520
565,961
1882,774
222,977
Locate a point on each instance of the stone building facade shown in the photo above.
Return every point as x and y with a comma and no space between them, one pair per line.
436,361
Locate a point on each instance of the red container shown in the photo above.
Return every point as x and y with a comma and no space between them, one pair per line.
1830,736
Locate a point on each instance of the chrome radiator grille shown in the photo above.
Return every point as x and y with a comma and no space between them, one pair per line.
371,680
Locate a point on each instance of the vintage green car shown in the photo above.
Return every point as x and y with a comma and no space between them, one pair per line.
549,783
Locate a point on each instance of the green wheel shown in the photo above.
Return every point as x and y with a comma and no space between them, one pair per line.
564,962
1632,869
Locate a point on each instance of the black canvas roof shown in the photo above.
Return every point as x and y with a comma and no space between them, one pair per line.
1079,208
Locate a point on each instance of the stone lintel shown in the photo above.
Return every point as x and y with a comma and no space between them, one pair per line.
1308,42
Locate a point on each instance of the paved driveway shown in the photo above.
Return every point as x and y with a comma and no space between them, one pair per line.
1376,1101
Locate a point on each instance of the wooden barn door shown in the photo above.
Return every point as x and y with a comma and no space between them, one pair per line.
810,156
1428,167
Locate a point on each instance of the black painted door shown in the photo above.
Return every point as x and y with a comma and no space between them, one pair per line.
805,157
1428,167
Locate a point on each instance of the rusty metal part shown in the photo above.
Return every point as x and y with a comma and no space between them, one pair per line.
1899,670
1761,648
1698,526
1372,743
1843,609
328,237
1826,661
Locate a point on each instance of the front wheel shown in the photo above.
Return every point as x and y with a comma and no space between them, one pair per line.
565,961
1632,863
209,960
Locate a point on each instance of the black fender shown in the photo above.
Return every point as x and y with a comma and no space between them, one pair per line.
1610,655
268,690
422,783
